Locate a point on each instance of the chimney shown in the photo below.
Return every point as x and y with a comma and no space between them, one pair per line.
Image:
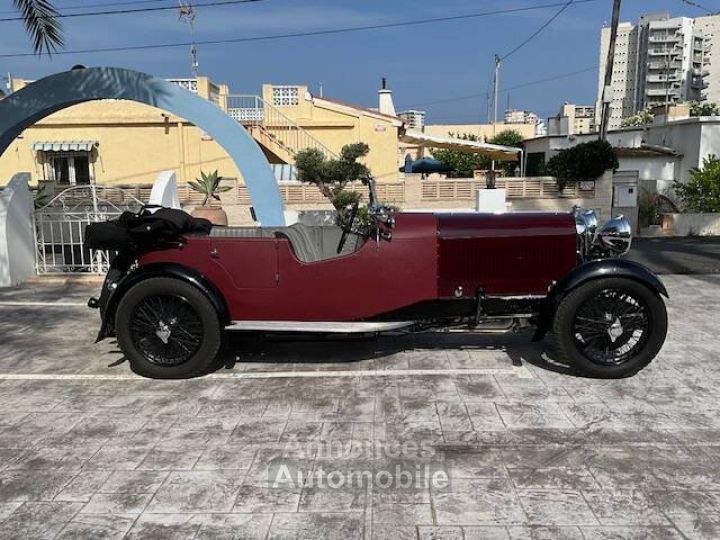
386,105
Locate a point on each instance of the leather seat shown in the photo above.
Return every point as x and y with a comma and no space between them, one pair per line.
309,243
318,243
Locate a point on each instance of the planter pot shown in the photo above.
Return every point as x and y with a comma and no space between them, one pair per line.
215,214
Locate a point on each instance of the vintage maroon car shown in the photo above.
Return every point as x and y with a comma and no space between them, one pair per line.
170,302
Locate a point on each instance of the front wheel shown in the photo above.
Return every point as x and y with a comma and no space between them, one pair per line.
168,329
610,328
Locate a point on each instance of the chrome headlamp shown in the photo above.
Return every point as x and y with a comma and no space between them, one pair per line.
586,222
615,237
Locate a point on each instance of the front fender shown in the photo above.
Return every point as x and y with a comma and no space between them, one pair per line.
109,305
603,268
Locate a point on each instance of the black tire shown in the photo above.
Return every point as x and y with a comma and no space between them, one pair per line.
589,320
193,337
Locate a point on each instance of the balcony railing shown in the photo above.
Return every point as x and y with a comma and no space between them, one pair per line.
253,111
188,84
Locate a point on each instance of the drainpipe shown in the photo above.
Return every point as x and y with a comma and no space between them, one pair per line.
181,150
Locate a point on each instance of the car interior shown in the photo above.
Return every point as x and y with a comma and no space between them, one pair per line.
310,243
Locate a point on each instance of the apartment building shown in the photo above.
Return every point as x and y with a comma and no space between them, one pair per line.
710,27
573,120
659,60
513,116
413,119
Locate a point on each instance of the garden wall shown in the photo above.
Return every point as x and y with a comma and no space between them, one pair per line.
691,224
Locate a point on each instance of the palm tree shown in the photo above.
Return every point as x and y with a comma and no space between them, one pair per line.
41,23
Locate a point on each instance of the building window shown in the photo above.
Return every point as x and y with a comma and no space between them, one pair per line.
214,94
188,84
68,168
285,96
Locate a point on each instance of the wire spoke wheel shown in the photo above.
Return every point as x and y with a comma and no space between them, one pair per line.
611,327
167,329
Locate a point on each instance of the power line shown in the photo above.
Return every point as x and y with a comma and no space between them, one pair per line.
696,5
302,34
503,90
100,5
135,10
538,31
500,59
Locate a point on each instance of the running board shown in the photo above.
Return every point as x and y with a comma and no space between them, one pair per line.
317,327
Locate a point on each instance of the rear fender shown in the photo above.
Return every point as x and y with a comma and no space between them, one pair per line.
117,290
589,271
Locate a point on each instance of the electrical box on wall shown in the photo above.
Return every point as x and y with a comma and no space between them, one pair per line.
625,195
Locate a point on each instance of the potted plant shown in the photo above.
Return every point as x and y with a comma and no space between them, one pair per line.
209,186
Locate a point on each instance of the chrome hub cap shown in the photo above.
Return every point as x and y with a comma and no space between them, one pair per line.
611,327
166,329
163,332
615,330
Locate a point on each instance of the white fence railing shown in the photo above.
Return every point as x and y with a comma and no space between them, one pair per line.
516,188
60,243
253,111
60,228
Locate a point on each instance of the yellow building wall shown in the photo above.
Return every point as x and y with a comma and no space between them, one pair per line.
335,124
135,143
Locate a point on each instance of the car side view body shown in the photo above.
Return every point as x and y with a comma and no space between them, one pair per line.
170,298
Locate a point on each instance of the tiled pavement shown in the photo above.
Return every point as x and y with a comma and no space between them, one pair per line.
87,450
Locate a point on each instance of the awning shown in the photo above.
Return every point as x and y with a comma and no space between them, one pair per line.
63,146
494,151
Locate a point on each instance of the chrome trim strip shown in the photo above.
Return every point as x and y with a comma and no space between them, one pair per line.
521,297
317,326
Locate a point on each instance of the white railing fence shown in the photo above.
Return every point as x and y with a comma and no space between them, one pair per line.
60,228
255,112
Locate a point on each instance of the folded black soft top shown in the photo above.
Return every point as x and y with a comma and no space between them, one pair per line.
151,227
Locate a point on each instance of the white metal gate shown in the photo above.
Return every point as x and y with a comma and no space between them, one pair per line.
60,228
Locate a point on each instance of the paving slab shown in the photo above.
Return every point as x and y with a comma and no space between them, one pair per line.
337,439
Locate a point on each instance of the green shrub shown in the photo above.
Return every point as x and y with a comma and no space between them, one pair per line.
464,164
704,109
586,161
640,119
332,175
702,192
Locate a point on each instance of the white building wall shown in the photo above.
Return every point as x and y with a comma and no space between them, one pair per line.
624,74
710,27
692,139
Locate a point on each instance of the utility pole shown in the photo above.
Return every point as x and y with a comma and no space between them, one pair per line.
607,88
187,14
496,91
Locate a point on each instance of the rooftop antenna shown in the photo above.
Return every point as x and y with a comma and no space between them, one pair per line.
187,14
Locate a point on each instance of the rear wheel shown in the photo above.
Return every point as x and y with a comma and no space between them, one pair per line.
168,329
610,328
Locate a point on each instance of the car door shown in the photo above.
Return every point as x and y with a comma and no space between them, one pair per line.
251,263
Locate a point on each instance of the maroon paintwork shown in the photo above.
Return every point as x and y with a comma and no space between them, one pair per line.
428,258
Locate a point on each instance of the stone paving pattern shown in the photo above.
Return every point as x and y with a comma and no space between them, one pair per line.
532,452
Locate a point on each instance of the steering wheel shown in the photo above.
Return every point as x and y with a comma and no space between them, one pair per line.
347,228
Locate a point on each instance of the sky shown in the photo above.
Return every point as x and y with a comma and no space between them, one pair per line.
441,67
